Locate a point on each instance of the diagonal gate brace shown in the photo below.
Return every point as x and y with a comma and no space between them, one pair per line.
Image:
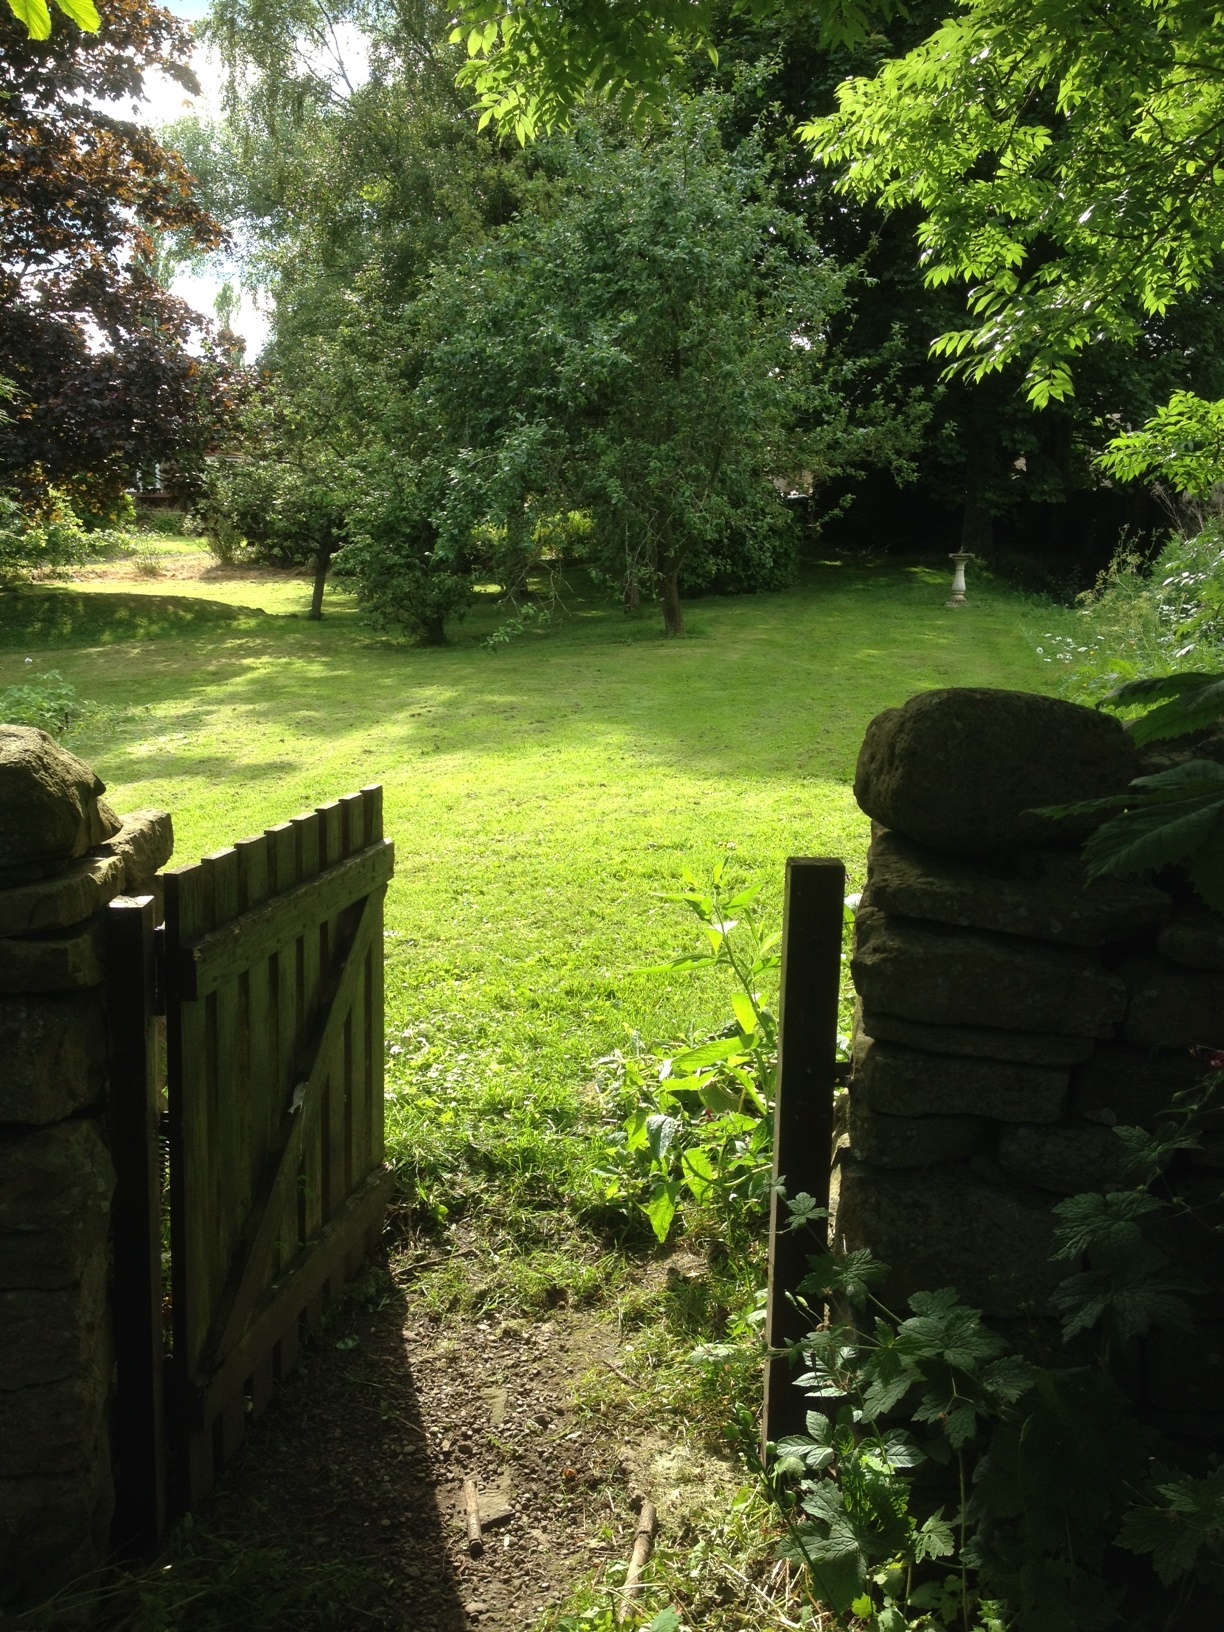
246,1280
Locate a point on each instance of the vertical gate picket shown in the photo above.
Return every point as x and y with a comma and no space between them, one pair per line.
812,923
136,1293
310,1207
356,1108
261,1078
332,1128
372,797
193,1185
231,1110
287,967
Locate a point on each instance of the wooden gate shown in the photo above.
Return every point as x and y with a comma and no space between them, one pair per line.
269,972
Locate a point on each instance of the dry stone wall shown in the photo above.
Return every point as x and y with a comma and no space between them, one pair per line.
1011,1014
63,856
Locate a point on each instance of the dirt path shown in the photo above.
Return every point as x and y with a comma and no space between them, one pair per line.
363,1455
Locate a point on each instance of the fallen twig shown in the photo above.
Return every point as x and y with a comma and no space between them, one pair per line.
471,1507
643,1546
617,1372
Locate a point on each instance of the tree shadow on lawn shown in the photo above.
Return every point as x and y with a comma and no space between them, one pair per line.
41,617
771,686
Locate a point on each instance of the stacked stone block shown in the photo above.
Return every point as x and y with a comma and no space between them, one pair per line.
63,856
1010,1012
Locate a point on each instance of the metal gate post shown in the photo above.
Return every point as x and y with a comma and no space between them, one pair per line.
803,1109
140,1458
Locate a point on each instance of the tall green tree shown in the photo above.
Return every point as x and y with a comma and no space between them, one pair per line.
647,342
1065,159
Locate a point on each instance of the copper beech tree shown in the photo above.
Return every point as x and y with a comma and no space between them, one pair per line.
109,371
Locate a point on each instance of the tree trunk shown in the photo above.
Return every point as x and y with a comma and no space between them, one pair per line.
323,557
633,592
669,582
433,631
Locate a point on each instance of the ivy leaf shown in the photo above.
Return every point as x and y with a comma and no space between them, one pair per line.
802,1210
934,1538
1134,1291
1147,1154
1008,1379
943,1326
850,1277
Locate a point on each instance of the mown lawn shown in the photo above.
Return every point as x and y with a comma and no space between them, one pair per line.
538,795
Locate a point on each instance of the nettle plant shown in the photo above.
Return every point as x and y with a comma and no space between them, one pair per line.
947,1482
701,1128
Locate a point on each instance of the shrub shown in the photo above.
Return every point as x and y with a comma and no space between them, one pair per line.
1145,618
51,704
49,541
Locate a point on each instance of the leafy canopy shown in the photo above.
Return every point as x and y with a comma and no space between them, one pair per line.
1068,162
1066,159
102,360
531,62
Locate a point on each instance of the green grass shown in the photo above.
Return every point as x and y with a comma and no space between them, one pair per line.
35,619
538,797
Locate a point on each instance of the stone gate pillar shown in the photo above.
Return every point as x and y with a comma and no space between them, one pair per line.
63,855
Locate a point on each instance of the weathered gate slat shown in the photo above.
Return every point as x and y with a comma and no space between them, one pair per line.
300,1285
261,1079
286,967
372,798
257,934
331,1130
140,1484
311,859
251,1264
273,980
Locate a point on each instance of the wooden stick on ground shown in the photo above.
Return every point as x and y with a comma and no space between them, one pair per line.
471,1507
643,1546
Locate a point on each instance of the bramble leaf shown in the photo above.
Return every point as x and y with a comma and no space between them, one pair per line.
1190,1522
1092,1220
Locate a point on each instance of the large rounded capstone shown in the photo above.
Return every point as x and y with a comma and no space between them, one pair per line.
961,769
51,807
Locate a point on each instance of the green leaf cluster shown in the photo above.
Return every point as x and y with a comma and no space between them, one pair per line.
701,1127
37,18
1066,164
932,1445
1172,816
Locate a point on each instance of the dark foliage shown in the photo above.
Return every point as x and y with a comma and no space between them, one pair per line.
96,348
